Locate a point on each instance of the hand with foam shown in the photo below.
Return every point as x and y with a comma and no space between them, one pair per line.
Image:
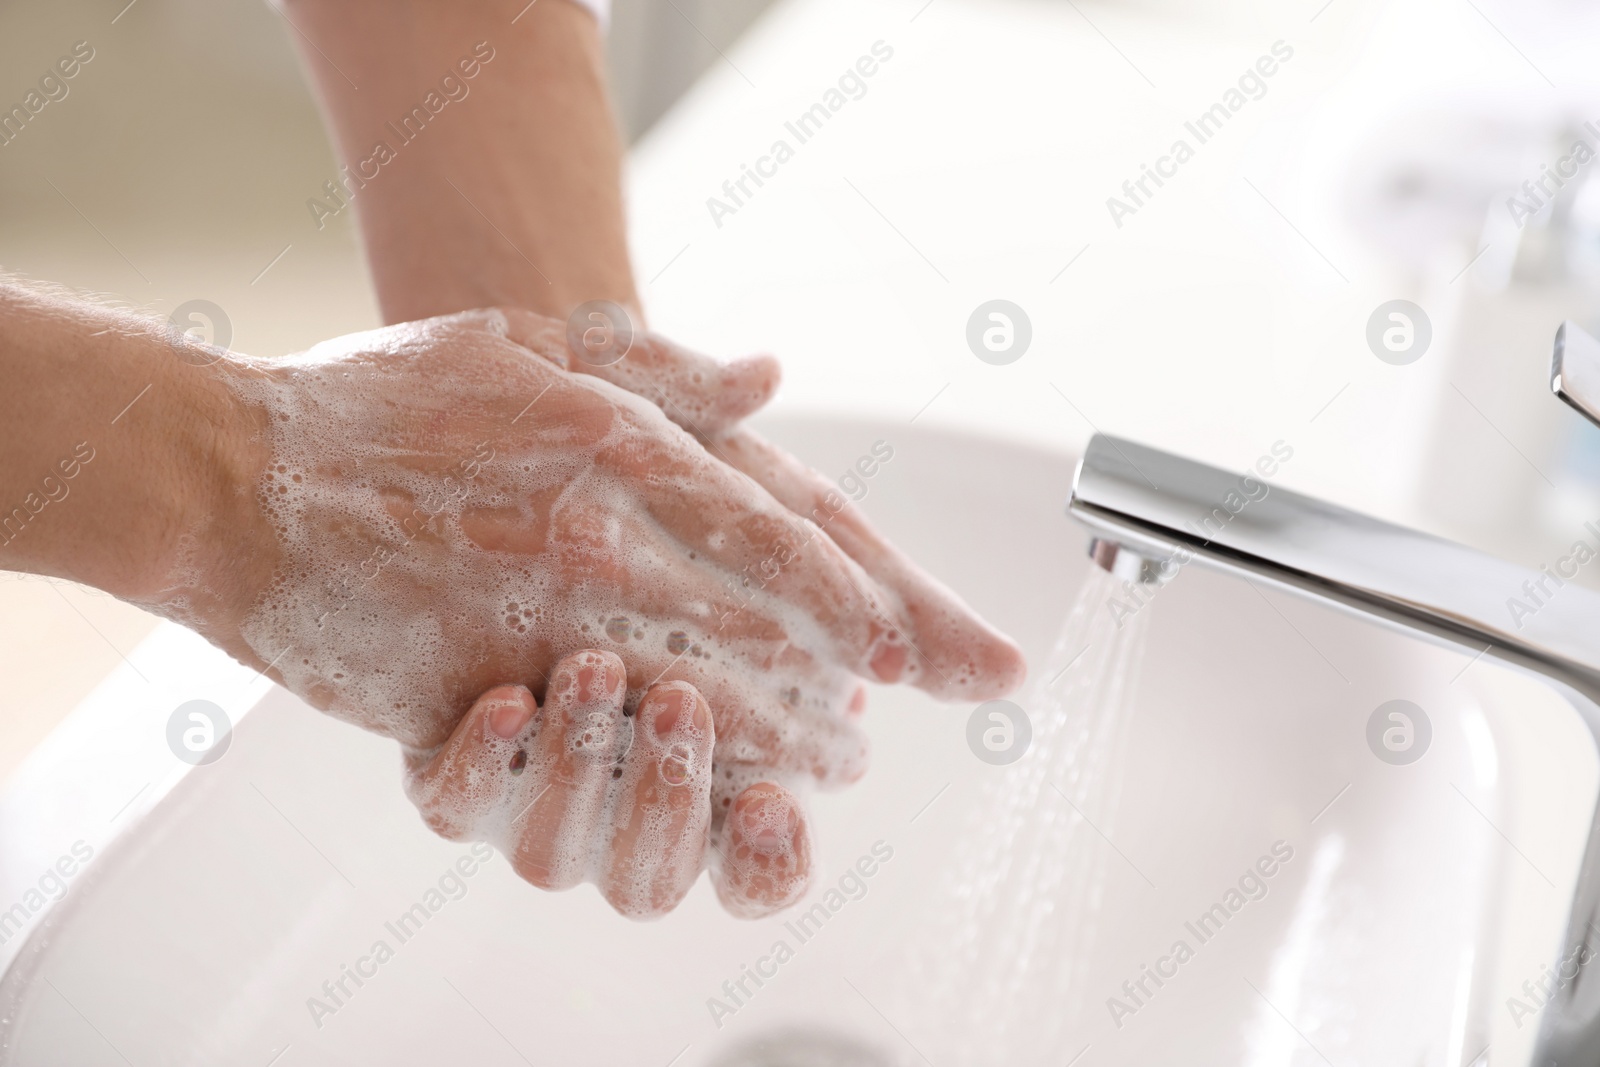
589,789
709,400
759,855
439,510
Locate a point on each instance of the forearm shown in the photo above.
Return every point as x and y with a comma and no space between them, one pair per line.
507,190
108,444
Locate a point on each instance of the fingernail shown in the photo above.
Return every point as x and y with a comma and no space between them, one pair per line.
590,680
509,716
889,660
768,824
668,709
598,677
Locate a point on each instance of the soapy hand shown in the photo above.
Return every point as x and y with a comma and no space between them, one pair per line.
441,511
709,399
587,789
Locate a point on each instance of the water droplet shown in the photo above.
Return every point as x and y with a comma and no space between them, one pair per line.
519,761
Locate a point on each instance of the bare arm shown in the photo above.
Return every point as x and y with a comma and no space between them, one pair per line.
108,444
508,194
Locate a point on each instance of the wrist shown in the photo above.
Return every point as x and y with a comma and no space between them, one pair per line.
119,457
509,194
205,548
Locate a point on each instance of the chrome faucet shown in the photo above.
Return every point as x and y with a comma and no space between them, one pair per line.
1145,508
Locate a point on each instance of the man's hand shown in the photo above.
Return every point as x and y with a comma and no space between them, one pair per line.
440,511
708,400
582,790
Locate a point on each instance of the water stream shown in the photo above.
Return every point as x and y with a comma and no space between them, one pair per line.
994,972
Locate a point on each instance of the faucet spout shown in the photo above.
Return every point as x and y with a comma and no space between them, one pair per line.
1170,509
1123,562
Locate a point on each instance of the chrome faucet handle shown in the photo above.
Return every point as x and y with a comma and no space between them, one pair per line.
1575,370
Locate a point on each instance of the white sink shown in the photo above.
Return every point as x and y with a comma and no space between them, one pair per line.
1415,904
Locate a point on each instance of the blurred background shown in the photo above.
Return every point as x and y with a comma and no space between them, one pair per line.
1229,311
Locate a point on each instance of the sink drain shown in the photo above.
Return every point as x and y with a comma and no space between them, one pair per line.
804,1046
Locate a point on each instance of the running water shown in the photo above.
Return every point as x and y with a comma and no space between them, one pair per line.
995,970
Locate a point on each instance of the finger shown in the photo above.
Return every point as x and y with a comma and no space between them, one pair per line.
662,804
581,738
701,395
951,651
763,859
474,772
697,392
797,724
774,560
